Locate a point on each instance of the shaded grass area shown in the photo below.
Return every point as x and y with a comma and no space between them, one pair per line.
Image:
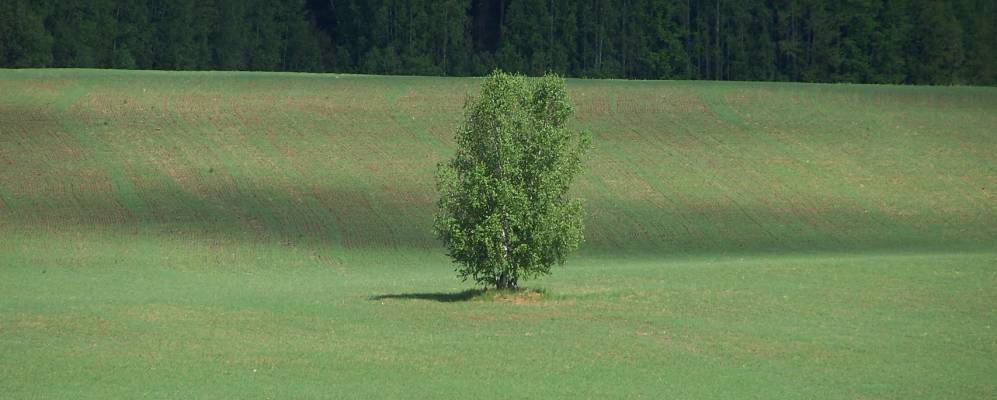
220,235
463,295
347,162
521,295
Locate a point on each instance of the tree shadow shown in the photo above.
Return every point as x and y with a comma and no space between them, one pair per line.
439,297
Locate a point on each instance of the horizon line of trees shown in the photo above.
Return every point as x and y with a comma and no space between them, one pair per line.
859,41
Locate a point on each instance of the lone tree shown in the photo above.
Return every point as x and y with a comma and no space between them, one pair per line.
503,213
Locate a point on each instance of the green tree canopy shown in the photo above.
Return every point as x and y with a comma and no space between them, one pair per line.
24,42
860,41
504,212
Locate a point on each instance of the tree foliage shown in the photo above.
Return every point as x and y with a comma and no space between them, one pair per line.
862,41
504,212
24,42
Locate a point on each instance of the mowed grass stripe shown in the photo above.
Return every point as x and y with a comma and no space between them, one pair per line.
900,164
699,159
733,219
851,201
780,180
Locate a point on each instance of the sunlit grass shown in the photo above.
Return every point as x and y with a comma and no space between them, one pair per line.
232,235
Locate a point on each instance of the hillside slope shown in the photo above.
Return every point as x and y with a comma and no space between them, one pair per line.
247,235
347,162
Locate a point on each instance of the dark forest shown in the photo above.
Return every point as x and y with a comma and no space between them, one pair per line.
860,41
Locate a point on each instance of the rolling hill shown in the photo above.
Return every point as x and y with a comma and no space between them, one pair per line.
220,234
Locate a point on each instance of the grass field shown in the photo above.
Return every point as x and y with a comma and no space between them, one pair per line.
256,235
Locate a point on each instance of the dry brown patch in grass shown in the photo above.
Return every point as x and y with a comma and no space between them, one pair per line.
160,313
753,96
653,103
588,106
523,296
317,105
111,105
61,323
420,104
191,107
164,312
47,87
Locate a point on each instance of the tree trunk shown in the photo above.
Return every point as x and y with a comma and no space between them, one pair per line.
506,282
446,36
719,71
550,39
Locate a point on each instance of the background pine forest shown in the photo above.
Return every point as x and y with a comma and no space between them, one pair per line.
861,41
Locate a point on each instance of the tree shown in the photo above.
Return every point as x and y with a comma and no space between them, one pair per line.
504,213
863,41
231,35
24,42
888,50
176,41
264,42
981,57
660,54
937,44
448,36
82,32
130,47
299,45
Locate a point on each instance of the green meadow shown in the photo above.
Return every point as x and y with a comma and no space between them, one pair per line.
268,235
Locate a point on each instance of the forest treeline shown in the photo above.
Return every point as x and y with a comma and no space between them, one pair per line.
863,41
